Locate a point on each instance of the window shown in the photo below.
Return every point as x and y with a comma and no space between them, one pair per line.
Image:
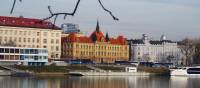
45,33
52,48
29,39
15,39
52,41
19,39
1,57
10,39
1,31
29,33
22,57
6,31
44,46
57,34
20,33
1,50
57,41
35,57
5,39
38,40
57,48
7,50
38,33
0,38
11,50
16,50
52,34
27,51
10,32
44,40
24,39
24,32
45,57
33,40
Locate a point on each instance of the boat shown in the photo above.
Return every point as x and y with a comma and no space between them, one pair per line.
129,71
186,71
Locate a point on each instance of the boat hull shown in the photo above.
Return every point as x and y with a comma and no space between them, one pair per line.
109,74
188,71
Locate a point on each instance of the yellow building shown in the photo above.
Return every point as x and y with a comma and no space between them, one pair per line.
33,33
97,48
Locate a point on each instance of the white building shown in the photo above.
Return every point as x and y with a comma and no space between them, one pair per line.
161,51
23,56
70,28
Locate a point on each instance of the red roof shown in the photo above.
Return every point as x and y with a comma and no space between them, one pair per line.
26,22
84,39
96,36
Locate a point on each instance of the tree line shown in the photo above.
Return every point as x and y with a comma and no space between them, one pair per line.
190,48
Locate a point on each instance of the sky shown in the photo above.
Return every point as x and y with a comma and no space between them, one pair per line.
176,19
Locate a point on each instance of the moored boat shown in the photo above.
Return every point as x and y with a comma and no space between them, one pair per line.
186,71
129,71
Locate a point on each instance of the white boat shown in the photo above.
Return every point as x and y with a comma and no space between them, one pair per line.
186,71
129,71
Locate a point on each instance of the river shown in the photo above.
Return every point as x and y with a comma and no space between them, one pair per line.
99,82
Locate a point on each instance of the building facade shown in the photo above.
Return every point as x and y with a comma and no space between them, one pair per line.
97,48
31,33
161,51
24,56
70,28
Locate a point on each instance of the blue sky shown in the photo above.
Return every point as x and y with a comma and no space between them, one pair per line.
176,19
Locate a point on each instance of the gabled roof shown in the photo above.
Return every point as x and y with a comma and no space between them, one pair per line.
26,22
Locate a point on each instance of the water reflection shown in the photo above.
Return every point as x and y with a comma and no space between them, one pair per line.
100,82
185,82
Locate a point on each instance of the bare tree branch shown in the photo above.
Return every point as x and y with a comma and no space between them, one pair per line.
65,14
74,11
55,15
13,6
115,18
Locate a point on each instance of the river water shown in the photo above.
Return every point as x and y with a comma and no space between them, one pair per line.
100,82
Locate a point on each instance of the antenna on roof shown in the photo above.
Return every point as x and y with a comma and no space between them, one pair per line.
21,16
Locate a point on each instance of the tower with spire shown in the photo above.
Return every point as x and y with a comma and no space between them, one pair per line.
97,27
107,37
97,35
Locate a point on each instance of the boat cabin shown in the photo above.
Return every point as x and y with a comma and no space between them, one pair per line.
131,69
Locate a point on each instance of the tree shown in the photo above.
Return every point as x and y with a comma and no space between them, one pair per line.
187,48
65,14
196,57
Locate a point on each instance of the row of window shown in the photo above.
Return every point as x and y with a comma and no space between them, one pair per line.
15,39
96,47
22,51
29,40
28,33
52,41
82,53
21,57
